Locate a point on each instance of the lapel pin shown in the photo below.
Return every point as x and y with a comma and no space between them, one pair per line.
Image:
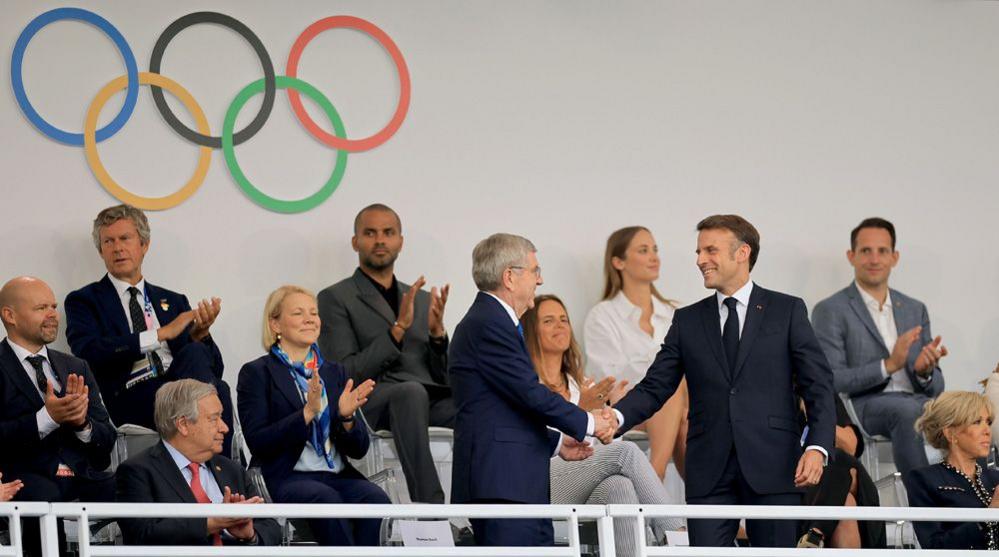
218,468
164,305
759,307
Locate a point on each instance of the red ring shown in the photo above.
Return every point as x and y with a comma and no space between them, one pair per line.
352,145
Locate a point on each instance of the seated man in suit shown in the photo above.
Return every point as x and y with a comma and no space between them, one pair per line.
502,444
186,467
135,335
55,434
379,328
879,345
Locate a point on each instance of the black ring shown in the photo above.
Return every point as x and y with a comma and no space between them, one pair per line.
215,142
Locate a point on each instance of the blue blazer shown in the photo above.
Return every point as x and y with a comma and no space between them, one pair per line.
753,407
502,444
97,331
270,412
22,450
936,486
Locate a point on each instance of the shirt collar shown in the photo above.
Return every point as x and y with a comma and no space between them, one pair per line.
628,310
122,287
178,458
869,300
378,286
741,295
22,352
506,306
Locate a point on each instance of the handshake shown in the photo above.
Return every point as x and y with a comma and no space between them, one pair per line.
604,424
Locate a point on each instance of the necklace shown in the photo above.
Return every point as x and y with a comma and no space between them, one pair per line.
991,529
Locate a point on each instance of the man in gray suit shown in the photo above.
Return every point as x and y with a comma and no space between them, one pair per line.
879,345
382,329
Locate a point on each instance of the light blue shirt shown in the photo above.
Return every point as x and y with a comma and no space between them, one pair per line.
208,482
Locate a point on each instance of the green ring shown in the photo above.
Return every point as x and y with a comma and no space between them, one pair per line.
259,197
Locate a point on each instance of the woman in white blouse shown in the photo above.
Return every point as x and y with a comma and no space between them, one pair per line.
623,333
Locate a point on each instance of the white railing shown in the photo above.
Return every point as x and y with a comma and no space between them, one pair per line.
571,513
13,513
887,514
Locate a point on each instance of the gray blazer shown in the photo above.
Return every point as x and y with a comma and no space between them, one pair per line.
855,349
356,333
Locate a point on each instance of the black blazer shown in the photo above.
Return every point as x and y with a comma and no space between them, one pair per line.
97,331
936,486
270,412
22,450
152,476
502,444
753,407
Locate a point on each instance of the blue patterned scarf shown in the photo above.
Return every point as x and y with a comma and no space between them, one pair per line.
301,372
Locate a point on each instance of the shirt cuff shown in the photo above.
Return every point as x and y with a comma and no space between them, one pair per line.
85,433
46,424
884,371
924,381
558,446
620,419
148,341
590,424
825,454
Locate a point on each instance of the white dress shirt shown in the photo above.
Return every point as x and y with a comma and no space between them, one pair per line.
741,304
614,340
884,319
148,341
43,419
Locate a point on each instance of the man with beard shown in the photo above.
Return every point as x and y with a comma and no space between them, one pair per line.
54,430
379,328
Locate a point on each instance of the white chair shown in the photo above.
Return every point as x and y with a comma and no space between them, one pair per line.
872,443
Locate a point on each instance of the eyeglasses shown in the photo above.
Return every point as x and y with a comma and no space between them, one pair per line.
536,270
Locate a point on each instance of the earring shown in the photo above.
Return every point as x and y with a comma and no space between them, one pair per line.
278,337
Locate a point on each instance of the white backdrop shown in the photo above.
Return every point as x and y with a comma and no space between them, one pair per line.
560,121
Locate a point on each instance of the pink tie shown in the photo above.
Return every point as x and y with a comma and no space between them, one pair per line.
200,495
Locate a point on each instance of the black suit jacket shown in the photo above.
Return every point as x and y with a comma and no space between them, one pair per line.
153,477
753,407
936,486
356,325
97,331
22,450
270,413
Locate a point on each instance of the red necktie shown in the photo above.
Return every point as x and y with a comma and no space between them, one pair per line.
200,495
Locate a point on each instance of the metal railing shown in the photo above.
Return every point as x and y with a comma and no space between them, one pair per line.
13,513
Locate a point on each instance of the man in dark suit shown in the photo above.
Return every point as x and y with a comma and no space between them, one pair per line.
503,444
135,335
379,328
185,467
857,325
746,352
54,430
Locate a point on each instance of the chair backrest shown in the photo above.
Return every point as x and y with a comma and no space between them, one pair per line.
852,412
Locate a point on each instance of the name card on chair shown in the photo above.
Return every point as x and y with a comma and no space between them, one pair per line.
426,533
677,539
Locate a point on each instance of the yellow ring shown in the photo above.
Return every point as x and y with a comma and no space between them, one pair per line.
101,173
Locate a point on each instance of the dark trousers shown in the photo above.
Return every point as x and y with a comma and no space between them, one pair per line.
733,489
328,488
194,361
55,490
407,409
832,491
512,532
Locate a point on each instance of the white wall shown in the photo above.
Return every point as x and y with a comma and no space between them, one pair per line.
560,121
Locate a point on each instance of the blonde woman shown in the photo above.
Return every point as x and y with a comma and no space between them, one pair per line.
623,333
959,424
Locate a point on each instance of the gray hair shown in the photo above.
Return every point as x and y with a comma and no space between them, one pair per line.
494,255
178,399
111,215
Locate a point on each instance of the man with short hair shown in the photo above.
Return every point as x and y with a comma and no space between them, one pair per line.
502,442
55,434
748,355
186,467
379,328
135,335
879,345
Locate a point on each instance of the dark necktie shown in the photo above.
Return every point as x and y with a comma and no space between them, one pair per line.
520,329
139,325
730,334
36,362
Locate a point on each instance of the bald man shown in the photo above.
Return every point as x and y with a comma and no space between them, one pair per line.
54,430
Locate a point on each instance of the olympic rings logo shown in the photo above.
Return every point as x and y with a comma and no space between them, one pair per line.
229,138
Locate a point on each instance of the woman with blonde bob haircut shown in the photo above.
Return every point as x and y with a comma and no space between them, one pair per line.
959,424
298,415
624,332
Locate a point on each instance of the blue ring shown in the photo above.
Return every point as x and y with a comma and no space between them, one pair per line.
131,70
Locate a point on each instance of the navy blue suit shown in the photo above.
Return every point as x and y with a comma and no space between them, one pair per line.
936,486
270,412
97,330
502,444
743,441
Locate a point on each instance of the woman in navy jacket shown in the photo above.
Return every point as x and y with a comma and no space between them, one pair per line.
958,423
300,425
